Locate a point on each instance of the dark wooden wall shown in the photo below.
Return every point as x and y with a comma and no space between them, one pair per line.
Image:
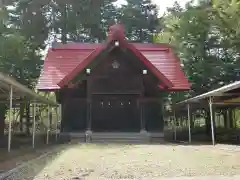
113,95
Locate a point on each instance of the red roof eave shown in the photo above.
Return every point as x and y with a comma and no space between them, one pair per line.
97,51
149,65
81,66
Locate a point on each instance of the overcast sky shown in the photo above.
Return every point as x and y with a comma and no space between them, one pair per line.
163,4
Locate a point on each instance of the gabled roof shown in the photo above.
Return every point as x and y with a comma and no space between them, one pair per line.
63,62
83,64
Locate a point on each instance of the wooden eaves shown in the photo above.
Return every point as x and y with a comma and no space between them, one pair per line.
220,96
19,92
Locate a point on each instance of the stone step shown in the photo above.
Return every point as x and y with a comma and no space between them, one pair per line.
127,141
77,135
119,138
109,134
112,137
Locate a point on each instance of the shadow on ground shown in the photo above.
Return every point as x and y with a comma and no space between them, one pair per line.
32,162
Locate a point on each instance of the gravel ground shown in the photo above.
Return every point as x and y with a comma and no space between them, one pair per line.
19,156
102,161
28,170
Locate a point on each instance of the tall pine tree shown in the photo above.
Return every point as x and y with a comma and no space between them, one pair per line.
140,18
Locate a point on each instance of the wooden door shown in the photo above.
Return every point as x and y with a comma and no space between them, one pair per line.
114,113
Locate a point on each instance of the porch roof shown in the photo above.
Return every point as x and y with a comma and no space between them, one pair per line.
19,91
224,91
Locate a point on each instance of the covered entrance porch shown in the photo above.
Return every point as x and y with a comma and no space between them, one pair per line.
112,113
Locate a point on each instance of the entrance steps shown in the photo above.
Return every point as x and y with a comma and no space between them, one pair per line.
120,138
117,137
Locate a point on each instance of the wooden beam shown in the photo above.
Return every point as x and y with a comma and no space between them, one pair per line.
230,94
115,93
226,104
149,99
6,96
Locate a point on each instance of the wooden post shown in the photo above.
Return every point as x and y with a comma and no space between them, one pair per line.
212,123
10,118
88,133
88,101
34,125
89,115
60,117
142,118
189,124
175,129
56,125
48,128
142,102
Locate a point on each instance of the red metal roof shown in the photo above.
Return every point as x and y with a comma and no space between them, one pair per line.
82,65
63,59
63,63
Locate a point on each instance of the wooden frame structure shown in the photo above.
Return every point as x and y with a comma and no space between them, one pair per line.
113,86
223,96
12,92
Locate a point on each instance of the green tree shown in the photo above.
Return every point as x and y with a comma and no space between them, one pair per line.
140,20
227,18
196,35
19,55
206,38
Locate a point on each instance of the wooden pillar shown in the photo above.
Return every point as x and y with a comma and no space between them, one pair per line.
142,103
189,124
212,120
142,117
60,118
89,113
89,103
225,118
34,125
22,108
230,118
175,128
28,118
48,126
56,125
10,118
63,119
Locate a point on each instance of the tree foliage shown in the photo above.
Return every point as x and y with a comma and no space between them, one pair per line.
205,36
17,57
140,20
201,39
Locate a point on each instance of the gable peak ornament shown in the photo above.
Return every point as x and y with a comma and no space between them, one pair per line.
115,64
116,31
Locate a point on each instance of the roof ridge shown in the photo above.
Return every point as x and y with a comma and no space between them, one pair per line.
93,46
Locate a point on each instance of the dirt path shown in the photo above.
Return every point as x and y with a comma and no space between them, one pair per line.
93,162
